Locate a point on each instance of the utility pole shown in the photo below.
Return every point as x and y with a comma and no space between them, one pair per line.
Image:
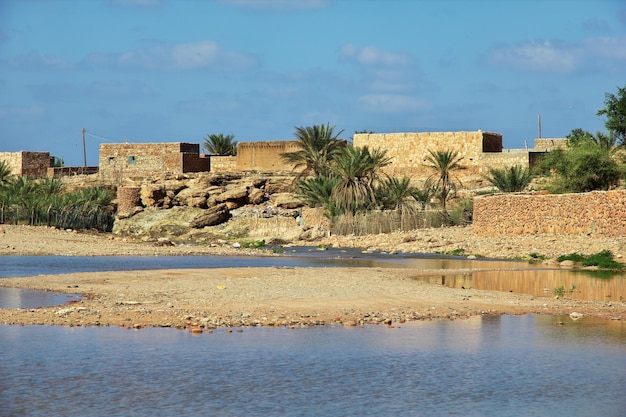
539,125
84,150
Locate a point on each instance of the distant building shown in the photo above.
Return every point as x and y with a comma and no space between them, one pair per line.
146,159
28,164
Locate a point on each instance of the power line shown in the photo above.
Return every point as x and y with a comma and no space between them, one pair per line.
101,137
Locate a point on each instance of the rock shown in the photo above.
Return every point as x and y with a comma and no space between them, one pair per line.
256,196
238,194
567,264
287,201
152,195
211,217
192,197
575,316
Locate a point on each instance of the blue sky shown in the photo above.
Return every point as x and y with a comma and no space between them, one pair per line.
169,71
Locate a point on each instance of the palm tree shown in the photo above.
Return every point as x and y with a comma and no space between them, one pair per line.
317,191
358,172
319,146
6,175
424,195
220,144
396,193
510,180
444,163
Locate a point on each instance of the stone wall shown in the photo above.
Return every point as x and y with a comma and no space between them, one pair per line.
219,163
57,172
27,164
546,144
264,156
146,159
594,213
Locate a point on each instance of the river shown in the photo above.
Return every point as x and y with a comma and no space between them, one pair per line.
483,366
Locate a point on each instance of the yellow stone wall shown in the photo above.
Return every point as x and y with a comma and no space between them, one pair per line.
593,213
264,156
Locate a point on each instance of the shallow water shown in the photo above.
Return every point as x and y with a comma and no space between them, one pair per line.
489,366
32,266
484,274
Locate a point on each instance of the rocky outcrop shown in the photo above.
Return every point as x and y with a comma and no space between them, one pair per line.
191,206
211,217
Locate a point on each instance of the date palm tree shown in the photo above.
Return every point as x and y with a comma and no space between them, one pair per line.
220,144
358,171
318,146
444,163
396,193
510,180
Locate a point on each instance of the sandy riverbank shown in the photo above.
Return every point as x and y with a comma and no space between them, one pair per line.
265,296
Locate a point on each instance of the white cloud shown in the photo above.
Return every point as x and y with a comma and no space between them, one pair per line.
33,110
392,103
185,56
373,56
36,61
560,57
609,48
537,56
278,5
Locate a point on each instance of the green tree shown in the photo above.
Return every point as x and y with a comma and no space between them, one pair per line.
6,175
584,165
220,144
397,193
511,179
615,112
358,171
444,163
317,191
318,146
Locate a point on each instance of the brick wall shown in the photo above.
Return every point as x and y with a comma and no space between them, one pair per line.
130,159
27,164
264,156
593,213
127,199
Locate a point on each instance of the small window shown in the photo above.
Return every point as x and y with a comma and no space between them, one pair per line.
131,160
111,160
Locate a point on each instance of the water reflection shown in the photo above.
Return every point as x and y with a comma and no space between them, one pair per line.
539,283
24,298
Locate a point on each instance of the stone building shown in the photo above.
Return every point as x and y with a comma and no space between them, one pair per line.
28,164
146,159
264,156
480,150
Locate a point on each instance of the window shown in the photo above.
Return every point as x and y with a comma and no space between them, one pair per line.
111,160
131,160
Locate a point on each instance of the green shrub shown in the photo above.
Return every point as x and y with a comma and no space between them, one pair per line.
603,259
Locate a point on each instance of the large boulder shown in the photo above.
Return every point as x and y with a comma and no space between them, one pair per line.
286,201
152,195
153,223
234,197
211,217
192,197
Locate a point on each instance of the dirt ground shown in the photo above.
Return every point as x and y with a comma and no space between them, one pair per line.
203,299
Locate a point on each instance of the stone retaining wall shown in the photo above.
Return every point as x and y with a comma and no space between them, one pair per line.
594,213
